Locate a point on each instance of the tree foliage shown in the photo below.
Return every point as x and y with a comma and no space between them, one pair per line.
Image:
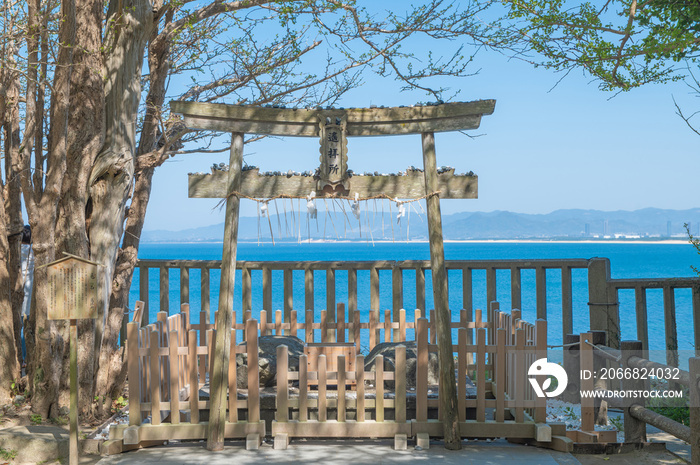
621,43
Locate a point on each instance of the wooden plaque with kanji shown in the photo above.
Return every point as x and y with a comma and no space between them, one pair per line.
72,289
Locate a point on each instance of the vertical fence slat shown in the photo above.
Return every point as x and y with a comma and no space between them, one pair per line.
515,288
420,288
400,385
379,386
165,289
143,294
372,329
204,290
308,327
402,325
352,290
288,294
374,302
308,289
194,381
640,304
433,327
341,388
322,380
145,338
278,322
467,298
422,370
356,333
324,326
360,383
246,291
263,323
491,285
293,323
520,375
132,334
462,373
184,285
396,295
340,323
670,327
387,326
500,374
155,377
211,336
253,371
267,291
303,388
282,414
567,319
481,375
541,349
541,284
232,381
330,302
174,379
587,403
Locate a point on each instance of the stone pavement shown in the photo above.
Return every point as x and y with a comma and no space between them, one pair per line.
374,452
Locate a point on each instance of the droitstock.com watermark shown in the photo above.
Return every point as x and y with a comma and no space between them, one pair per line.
655,383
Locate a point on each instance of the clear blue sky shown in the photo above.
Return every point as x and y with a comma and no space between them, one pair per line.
541,150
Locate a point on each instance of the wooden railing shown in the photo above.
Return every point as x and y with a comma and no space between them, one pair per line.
602,299
669,285
397,268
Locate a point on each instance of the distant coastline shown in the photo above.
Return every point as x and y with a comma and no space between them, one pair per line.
267,241
644,226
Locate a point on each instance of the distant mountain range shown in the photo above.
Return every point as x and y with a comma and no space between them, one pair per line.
560,224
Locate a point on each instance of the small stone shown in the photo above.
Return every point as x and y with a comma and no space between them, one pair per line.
19,399
64,411
418,448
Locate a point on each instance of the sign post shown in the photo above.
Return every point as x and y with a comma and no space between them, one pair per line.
73,296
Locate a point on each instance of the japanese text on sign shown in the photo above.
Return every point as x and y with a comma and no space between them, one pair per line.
72,290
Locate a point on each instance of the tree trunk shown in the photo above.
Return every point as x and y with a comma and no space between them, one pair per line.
158,54
9,367
12,222
87,113
9,319
44,338
112,173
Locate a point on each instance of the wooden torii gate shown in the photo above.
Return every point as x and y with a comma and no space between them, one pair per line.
332,126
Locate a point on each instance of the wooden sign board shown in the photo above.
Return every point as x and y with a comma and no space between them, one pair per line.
72,289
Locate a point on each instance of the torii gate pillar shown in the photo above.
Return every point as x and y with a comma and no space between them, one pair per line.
224,317
439,275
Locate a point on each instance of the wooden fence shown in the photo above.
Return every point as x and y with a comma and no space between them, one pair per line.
504,405
169,362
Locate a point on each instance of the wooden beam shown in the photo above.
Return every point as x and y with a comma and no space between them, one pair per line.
408,186
448,393
360,121
224,318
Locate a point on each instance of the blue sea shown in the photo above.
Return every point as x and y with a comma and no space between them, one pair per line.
628,260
